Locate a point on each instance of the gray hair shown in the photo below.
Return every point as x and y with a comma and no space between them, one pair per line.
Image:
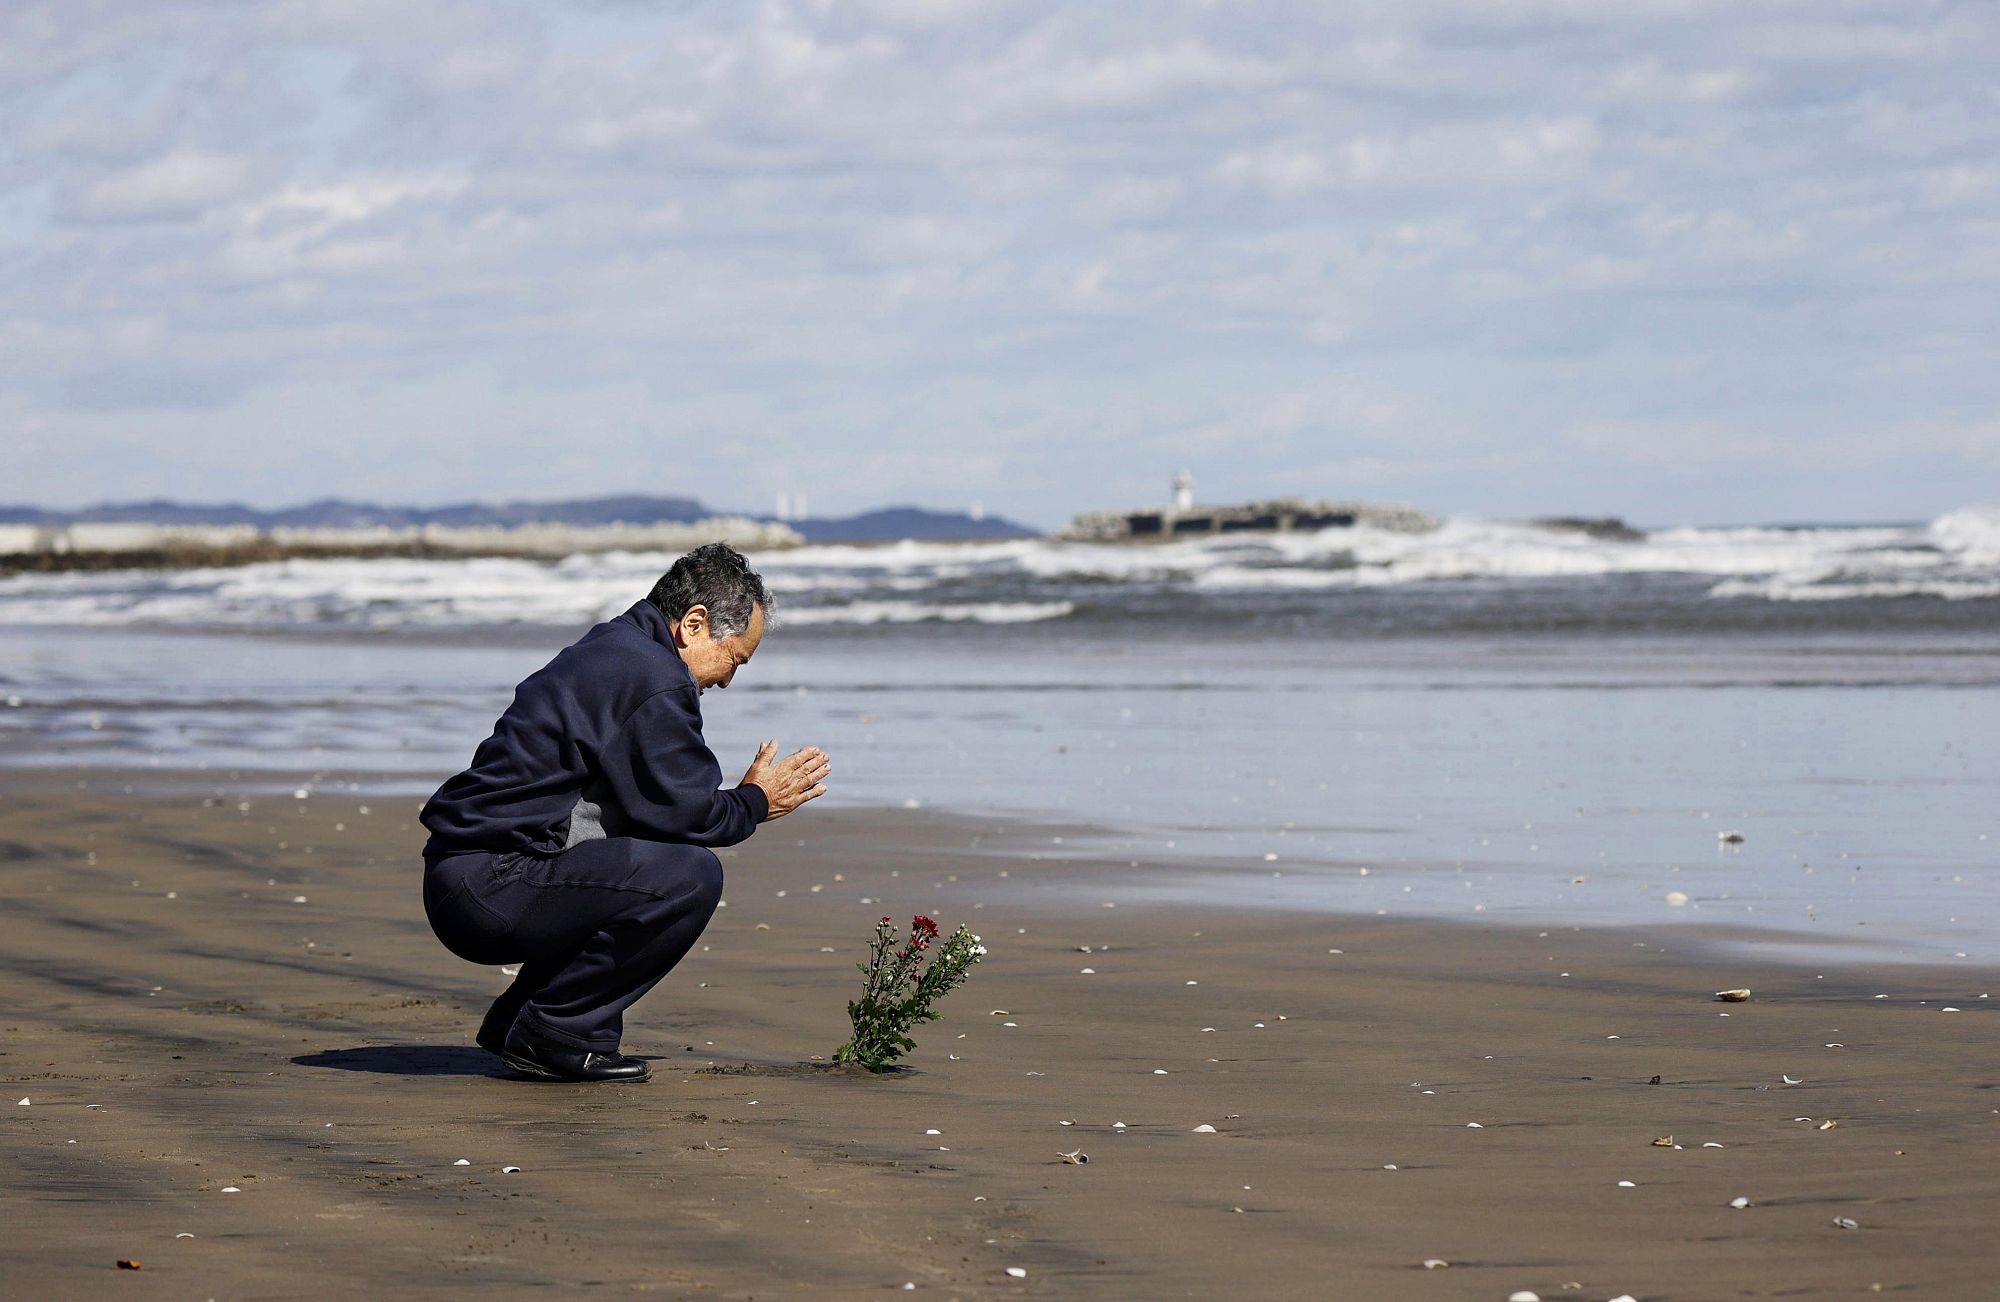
715,576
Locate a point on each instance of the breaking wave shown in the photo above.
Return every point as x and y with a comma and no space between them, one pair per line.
1955,558
912,612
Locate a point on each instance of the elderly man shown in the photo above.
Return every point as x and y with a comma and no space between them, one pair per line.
577,842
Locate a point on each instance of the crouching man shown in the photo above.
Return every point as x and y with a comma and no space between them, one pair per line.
577,843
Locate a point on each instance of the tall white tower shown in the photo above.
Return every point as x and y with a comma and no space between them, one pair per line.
1184,491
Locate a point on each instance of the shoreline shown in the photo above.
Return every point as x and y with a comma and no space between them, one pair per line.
1073,863
284,1024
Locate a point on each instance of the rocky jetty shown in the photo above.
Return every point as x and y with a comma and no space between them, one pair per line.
1279,515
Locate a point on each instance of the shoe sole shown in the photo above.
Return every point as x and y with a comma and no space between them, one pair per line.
529,1068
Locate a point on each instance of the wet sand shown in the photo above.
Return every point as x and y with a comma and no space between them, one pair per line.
177,1010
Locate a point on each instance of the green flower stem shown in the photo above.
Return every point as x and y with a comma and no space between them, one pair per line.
900,989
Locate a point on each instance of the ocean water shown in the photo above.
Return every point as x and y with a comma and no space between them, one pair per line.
1456,725
1339,581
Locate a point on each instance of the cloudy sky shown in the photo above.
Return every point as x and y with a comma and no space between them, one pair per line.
1683,260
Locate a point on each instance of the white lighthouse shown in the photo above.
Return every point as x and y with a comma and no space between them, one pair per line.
1184,491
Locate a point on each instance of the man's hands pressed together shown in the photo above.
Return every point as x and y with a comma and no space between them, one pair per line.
789,782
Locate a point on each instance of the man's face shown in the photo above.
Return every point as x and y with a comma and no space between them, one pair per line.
713,661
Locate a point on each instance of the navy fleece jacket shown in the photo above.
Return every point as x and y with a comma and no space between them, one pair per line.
603,741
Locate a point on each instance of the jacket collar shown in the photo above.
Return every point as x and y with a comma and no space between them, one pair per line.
646,617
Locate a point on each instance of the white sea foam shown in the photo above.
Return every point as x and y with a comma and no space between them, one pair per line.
1825,589
1243,578
1973,532
910,612
360,593
1955,557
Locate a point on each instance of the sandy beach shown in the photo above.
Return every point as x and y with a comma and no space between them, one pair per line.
245,1063
1389,560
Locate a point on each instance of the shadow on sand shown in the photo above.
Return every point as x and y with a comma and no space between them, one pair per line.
409,1060
465,1060
806,1070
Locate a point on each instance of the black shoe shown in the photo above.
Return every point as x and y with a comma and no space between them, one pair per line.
531,1055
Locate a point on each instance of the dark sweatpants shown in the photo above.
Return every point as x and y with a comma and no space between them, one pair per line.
593,927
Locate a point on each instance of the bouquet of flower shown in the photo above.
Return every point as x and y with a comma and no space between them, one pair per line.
901,988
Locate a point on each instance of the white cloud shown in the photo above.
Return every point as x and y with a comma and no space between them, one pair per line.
1124,200
1289,167
886,248
184,183
1649,81
1134,78
303,229
1490,153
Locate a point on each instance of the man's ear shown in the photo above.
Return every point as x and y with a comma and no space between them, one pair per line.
693,622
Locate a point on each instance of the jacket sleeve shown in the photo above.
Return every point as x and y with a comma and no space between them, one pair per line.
663,780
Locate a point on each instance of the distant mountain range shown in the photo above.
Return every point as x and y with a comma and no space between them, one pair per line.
885,525
893,522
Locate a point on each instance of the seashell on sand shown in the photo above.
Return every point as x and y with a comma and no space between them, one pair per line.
1076,1157
1733,996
